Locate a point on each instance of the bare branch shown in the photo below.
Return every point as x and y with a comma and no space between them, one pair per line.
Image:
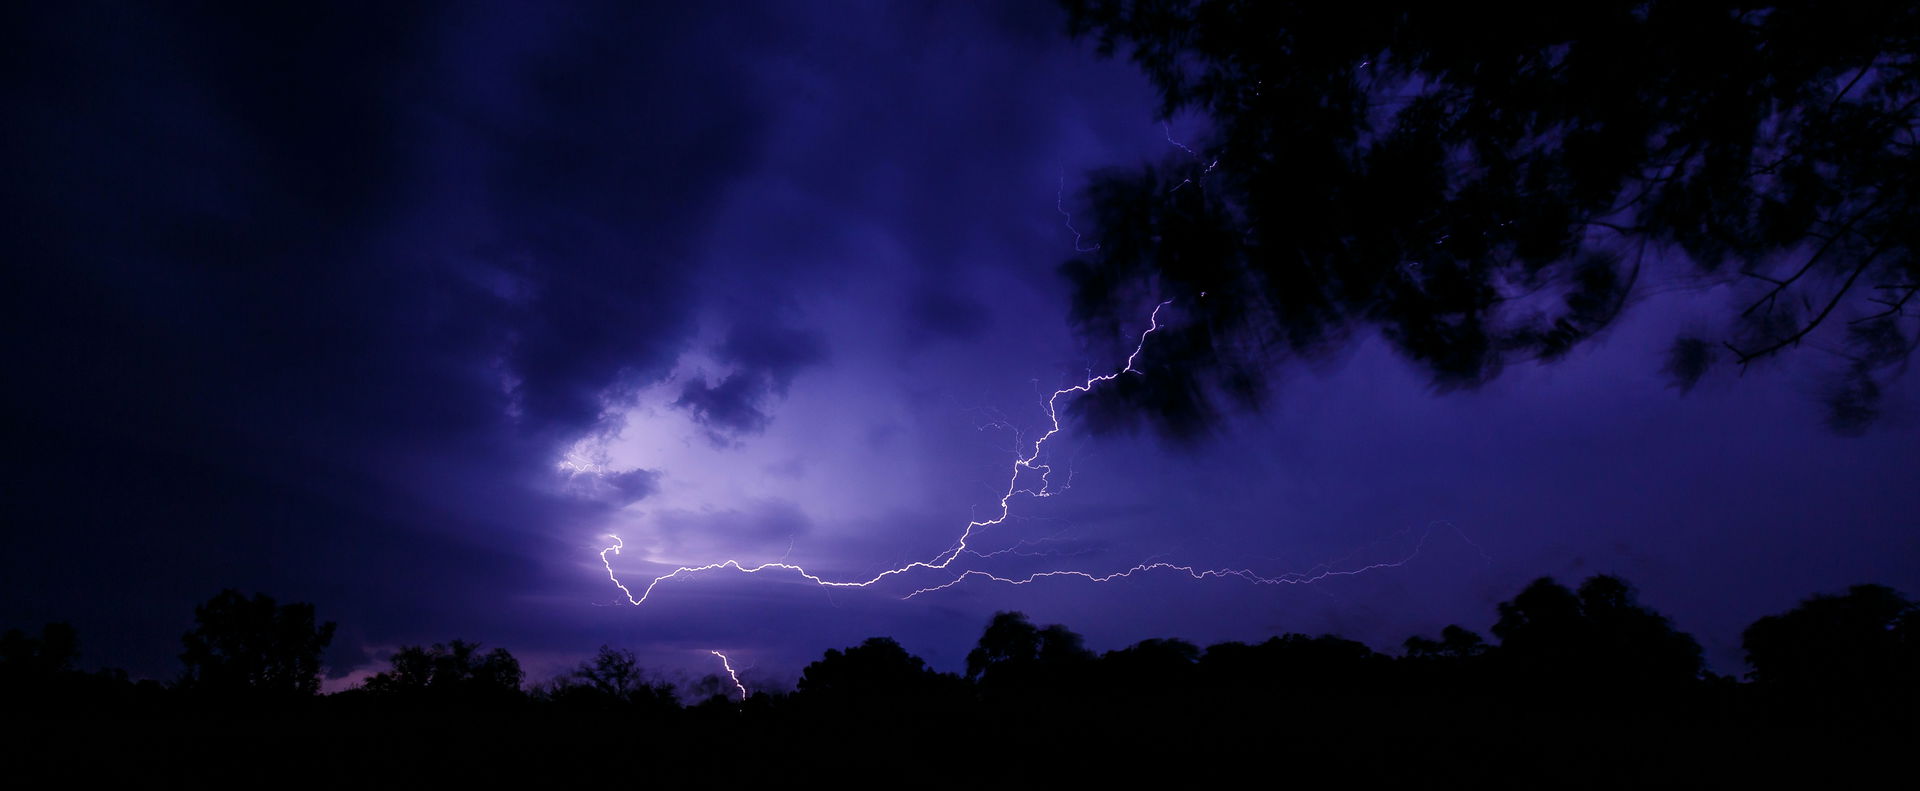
1812,259
1747,357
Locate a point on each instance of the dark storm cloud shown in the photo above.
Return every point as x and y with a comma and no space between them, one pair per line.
617,489
329,288
728,409
763,359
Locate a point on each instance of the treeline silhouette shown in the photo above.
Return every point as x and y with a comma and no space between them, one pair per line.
1583,686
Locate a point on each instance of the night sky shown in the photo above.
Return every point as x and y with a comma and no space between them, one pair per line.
334,303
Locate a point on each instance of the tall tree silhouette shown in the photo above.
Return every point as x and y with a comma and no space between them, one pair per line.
1488,185
254,647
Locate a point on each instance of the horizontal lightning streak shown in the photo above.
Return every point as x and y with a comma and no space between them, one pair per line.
1292,578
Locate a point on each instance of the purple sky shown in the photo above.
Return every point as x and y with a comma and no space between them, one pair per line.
319,305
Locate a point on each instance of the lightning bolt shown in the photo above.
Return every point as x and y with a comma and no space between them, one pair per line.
1026,458
1060,205
1015,550
728,665
1028,461
1167,130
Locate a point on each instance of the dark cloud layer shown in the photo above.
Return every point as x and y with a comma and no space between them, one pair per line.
763,359
306,299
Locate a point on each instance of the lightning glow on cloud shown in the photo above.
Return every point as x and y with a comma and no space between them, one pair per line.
1028,461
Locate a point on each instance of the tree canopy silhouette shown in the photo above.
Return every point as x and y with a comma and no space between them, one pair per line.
454,671
1584,687
1599,638
875,673
612,678
254,647
52,653
1864,642
1454,643
1014,659
1488,185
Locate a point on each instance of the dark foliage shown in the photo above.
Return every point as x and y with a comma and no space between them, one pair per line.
1016,661
52,653
456,672
1860,648
1586,687
1484,185
254,648
611,680
1598,642
877,675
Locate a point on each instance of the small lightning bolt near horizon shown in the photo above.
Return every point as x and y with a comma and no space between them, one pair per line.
735,677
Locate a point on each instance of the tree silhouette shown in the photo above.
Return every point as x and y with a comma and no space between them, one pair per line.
52,653
1600,639
876,673
1014,655
612,678
455,671
1487,185
1866,642
1293,666
1586,687
1155,669
1016,663
254,647
1454,643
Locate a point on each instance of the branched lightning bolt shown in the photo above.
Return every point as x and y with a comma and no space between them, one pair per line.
728,665
1029,461
1026,455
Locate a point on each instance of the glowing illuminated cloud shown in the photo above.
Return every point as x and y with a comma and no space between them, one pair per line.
1030,461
